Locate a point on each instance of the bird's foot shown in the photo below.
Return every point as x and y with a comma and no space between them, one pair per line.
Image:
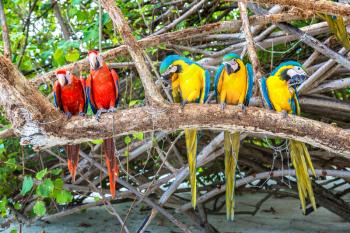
222,106
183,103
82,114
243,108
99,112
68,115
112,109
284,113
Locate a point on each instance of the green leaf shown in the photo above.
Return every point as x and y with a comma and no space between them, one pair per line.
39,208
27,185
13,231
64,197
138,136
58,57
56,171
45,188
73,55
17,206
127,140
97,141
40,175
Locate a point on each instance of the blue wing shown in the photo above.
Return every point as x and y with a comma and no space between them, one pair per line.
217,79
206,85
250,82
265,93
57,96
294,103
89,94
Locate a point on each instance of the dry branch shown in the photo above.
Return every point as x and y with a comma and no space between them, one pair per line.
259,176
328,7
232,26
135,51
5,32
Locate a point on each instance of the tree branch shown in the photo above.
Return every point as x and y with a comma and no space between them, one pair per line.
135,51
65,30
232,26
5,32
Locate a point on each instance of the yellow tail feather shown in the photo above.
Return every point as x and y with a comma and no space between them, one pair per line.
337,26
191,145
302,162
231,146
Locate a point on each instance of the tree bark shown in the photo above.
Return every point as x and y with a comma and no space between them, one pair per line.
57,11
5,32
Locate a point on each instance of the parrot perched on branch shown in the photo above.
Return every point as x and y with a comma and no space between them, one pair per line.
190,84
70,98
233,85
102,89
279,93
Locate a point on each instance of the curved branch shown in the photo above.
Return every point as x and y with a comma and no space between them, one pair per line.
232,26
259,176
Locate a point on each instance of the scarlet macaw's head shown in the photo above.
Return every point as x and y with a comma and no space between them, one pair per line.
95,59
232,63
63,77
293,73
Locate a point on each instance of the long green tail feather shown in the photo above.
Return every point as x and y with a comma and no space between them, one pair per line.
231,146
191,145
302,162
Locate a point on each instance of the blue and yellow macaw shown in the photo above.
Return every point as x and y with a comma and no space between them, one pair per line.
190,84
233,85
279,93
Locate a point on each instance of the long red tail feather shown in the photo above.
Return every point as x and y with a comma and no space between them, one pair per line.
111,163
73,159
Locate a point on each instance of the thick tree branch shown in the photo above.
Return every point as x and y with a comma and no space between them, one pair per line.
253,56
7,133
5,32
307,39
231,26
136,52
65,29
328,7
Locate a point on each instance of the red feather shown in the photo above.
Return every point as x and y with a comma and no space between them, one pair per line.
103,85
71,98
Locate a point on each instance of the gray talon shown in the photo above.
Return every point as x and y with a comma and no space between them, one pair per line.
81,114
284,113
68,115
112,109
222,106
99,112
243,108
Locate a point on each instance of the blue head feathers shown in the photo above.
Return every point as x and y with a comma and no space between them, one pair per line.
287,63
230,56
170,59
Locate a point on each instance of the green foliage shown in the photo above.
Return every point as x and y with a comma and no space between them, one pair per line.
27,185
39,208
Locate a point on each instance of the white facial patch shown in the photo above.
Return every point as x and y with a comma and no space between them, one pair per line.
292,72
61,79
92,59
170,70
69,77
299,70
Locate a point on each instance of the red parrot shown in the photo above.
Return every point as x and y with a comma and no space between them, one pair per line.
70,98
103,95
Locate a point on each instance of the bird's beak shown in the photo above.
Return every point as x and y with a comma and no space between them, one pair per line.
61,79
97,64
296,80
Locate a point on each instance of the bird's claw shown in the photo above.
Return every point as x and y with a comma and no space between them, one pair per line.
99,112
243,108
222,106
183,103
284,113
68,115
82,114
112,109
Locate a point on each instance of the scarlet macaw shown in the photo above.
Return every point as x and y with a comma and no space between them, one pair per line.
233,85
103,95
69,97
279,92
190,84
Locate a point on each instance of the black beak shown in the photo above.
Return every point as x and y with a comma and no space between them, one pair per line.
229,69
97,65
296,80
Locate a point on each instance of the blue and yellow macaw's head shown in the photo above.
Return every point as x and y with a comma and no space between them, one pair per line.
290,72
232,63
173,64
